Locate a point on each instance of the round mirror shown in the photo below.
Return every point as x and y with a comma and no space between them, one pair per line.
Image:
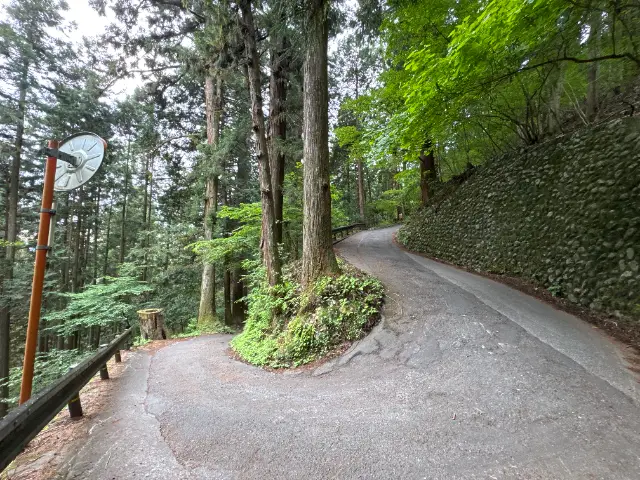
89,150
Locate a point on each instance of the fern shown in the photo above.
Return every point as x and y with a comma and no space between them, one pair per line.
108,302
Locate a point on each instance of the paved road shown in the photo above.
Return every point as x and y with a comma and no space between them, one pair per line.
464,379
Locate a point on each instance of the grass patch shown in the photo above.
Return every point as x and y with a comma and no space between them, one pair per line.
140,341
194,329
288,326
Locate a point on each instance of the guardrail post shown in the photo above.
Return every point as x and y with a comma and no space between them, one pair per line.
104,373
118,357
74,405
25,421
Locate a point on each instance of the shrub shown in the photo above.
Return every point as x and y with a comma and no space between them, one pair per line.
289,326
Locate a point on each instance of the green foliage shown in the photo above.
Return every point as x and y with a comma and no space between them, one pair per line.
109,302
176,291
349,136
476,79
191,329
289,326
49,367
215,326
339,216
471,79
555,290
5,244
140,341
241,241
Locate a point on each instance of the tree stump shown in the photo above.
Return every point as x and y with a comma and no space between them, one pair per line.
152,324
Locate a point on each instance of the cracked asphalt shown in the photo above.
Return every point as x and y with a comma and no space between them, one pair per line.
465,378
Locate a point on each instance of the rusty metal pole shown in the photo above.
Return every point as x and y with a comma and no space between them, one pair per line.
38,276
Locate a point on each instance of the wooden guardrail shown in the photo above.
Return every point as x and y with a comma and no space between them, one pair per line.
343,232
26,421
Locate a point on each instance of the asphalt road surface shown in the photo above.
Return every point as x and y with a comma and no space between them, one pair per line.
464,379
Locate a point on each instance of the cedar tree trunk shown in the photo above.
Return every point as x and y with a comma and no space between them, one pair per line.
213,104
317,245
427,171
269,245
277,126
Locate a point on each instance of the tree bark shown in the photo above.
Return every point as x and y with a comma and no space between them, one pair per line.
317,245
592,69
86,246
553,118
77,245
94,337
270,255
12,231
147,241
43,340
145,210
152,324
427,171
238,306
64,264
145,201
213,109
105,265
95,236
361,195
347,176
359,164
278,125
228,318
123,227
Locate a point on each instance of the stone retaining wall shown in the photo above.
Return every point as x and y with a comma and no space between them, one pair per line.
564,214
